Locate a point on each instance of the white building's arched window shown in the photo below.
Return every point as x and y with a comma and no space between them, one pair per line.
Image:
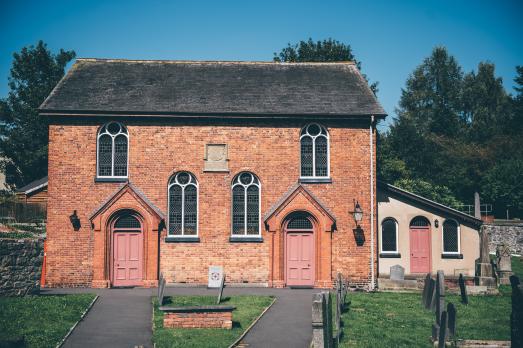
389,236
451,243
183,205
314,145
245,205
113,149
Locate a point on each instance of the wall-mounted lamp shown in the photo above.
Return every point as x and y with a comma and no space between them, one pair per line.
357,213
436,223
75,221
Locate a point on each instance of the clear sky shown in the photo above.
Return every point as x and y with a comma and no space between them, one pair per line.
390,37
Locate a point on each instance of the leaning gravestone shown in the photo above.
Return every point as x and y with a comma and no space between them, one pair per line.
222,285
397,273
451,316
215,277
463,290
442,337
161,289
428,292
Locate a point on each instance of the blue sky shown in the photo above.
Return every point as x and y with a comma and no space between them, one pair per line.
390,38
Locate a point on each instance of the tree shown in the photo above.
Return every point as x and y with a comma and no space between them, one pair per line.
436,193
34,73
503,186
328,50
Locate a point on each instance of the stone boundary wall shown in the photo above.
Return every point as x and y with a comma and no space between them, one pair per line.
221,320
508,232
20,266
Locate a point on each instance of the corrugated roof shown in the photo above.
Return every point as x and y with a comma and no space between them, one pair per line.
34,185
94,86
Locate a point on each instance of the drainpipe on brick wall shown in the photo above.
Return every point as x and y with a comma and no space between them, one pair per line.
371,131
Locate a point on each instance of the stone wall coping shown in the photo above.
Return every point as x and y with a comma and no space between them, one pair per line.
504,223
196,309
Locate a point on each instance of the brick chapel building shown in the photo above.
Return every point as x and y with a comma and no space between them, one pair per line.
176,166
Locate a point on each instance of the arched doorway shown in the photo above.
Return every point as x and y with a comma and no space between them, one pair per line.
127,251
420,261
299,250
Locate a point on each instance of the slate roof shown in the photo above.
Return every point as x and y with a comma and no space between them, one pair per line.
131,87
429,204
34,185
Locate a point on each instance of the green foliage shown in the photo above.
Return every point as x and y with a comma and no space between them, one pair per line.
248,308
42,320
453,131
384,319
23,144
436,193
328,50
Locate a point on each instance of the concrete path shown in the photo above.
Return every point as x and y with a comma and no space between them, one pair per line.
122,317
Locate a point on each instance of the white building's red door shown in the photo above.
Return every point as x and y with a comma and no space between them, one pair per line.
419,246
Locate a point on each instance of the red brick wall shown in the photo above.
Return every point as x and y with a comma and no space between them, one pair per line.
159,148
221,320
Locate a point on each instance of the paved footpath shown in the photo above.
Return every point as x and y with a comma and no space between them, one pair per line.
122,317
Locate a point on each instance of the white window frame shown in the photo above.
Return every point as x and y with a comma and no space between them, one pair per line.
327,136
381,236
236,182
458,226
172,182
106,132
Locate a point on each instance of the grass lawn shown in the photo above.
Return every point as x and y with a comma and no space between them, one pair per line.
398,319
247,309
42,320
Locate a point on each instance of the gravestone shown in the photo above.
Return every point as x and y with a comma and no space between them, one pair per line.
321,334
516,316
451,316
484,267
442,337
397,273
463,290
215,277
428,292
504,264
222,284
161,289
438,303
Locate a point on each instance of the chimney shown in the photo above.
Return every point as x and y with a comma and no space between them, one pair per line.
477,210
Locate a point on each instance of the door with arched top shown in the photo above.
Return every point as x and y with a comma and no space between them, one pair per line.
419,245
299,238
127,257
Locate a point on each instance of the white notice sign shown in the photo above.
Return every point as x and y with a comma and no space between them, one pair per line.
215,276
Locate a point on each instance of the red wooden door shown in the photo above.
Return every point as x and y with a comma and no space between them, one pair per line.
127,258
419,249
300,259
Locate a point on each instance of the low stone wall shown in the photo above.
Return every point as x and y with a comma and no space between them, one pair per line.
20,266
220,320
507,232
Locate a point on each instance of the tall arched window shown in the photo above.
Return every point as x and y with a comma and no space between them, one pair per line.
389,236
113,148
245,205
450,237
314,144
183,205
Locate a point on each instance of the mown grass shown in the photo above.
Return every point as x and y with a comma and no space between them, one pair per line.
399,320
42,320
247,309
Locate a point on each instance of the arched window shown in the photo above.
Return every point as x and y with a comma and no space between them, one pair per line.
314,144
113,148
389,236
183,205
451,237
419,221
127,222
300,222
245,205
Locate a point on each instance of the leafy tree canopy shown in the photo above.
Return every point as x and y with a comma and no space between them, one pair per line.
34,73
328,50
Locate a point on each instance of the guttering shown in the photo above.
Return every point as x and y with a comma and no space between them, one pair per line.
371,142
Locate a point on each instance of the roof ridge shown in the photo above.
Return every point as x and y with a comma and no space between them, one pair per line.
181,61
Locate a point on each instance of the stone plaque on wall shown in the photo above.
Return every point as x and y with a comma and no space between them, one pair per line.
216,158
215,276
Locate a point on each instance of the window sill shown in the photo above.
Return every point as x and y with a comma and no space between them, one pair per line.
246,239
170,239
102,179
390,255
451,256
315,180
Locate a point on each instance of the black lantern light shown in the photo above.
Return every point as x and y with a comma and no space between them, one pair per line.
75,221
359,235
357,213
